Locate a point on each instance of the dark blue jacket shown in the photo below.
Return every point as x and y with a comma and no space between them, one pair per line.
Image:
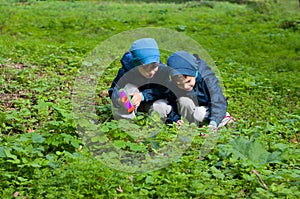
206,92
152,89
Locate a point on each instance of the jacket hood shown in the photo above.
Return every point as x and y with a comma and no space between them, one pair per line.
182,63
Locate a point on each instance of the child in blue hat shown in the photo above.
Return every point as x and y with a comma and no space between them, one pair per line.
198,97
143,77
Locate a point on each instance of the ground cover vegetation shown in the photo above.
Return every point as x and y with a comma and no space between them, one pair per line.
255,45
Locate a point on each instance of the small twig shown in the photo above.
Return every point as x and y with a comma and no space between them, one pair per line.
260,179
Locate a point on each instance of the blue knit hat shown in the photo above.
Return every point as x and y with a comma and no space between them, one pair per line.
182,63
144,51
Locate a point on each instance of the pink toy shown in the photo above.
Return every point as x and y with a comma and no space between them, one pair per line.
126,100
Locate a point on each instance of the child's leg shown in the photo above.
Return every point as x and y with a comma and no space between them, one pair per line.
122,113
161,106
190,111
186,108
201,113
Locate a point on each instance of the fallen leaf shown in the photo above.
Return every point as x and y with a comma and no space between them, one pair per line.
294,140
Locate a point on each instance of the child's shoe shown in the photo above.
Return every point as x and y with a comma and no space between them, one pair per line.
226,120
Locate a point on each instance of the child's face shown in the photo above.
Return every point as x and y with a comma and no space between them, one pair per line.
184,82
148,70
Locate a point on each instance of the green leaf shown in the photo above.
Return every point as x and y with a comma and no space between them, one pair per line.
24,160
149,180
36,163
2,152
127,125
136,147
75,143
275,157
281,146
101,139
37,138
252,151
154,145
119,144
104,129
42,108
15,161
22,179
9,155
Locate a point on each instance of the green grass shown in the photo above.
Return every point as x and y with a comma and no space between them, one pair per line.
255,47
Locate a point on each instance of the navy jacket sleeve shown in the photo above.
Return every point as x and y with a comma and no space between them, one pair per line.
218,103
173,116
153,94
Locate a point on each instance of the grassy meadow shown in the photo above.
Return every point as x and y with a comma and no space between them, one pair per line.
255,46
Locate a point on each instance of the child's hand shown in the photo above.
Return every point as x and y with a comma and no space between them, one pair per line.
120,102
213,125
136,99
184,82
180,122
